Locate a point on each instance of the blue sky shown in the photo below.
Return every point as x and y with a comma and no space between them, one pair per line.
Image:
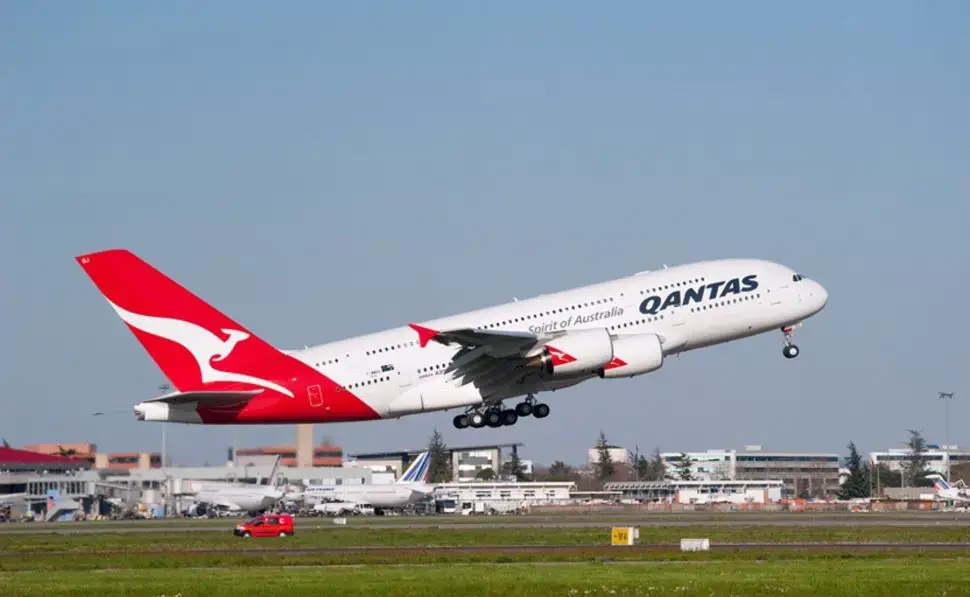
322,170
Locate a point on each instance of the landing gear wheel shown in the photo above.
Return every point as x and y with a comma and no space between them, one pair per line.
790,351
509,417
461,421
493,418
540,411
523,409
476,420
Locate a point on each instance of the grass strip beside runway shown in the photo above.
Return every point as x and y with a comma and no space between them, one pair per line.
808,577
336,536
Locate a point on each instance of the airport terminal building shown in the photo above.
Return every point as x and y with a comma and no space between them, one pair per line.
935,457
467,462
803,474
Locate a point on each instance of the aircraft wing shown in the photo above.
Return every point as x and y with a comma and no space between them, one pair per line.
491,360
498,343
214,498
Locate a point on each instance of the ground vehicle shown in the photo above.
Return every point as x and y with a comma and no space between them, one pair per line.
265,525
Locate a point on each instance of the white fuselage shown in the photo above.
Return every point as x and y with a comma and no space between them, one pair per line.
389,495
689,307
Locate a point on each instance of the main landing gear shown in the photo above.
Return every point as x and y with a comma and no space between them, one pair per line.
790,351
496,416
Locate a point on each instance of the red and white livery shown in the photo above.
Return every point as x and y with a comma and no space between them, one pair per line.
475,362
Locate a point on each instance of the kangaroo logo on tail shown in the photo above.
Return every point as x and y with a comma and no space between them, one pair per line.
204,346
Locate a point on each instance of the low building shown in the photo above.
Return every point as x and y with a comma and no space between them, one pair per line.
700,492
812,474
617,454
481,497
13,460
466,461
935,458
325,454
88,452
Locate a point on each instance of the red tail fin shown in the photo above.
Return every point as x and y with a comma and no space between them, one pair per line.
183,334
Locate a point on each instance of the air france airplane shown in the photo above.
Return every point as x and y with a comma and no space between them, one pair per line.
945,491
410,488
475,362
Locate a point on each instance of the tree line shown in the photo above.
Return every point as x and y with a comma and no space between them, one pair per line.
862,480
604,469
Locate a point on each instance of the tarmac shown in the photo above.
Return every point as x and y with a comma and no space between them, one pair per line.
841,519
571,549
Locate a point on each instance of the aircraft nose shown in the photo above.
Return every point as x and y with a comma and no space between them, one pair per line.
820,295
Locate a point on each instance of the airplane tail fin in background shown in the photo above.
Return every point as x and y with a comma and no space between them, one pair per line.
195,345
418,471
938,482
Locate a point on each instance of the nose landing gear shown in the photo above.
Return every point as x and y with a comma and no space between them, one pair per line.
790,350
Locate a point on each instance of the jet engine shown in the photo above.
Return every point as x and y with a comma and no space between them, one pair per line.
576,353
634,355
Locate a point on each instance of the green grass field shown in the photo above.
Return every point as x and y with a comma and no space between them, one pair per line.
335,536
487,561
852,578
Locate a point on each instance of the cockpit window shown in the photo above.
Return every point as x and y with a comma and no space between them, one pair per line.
797,278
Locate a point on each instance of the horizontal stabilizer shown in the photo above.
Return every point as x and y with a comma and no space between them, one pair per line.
207,396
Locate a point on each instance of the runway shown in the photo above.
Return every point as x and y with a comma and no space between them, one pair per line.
597,549
511,522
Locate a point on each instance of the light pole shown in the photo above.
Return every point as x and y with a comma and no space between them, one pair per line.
946,397
164,388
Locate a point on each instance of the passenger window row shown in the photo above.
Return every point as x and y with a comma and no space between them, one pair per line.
724,303
674,285
367,382
390,348
531,316
637,322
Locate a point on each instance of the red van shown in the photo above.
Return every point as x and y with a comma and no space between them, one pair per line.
266,525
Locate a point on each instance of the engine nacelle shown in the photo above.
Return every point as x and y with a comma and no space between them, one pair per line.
634,355
577,352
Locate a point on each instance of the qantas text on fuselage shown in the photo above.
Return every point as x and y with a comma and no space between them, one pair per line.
475,362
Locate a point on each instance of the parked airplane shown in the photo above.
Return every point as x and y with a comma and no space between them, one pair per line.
946,492
235,497
10,498
410,488
225,374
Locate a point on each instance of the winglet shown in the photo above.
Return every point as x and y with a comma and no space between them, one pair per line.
425,335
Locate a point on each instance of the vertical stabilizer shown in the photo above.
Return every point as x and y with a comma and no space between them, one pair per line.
418,471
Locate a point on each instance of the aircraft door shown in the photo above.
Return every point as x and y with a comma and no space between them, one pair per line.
403,376
314,396
676,316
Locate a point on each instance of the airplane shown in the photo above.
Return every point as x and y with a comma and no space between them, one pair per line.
410,488
475,362
235,497
10,498
944,491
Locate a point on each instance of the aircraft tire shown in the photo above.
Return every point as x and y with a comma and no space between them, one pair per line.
509,417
